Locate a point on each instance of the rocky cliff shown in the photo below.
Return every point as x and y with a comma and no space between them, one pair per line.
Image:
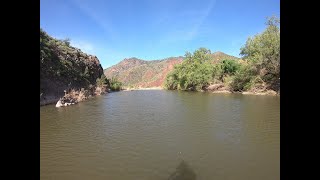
63,67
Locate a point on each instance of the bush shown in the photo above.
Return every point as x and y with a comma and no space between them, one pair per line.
103,81
242,79
229,66
115,85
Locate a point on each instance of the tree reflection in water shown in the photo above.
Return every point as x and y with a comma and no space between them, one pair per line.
183,172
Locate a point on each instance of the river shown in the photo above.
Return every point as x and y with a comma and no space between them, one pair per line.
158,134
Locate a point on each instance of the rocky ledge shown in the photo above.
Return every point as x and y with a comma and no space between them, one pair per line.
221,88
75,96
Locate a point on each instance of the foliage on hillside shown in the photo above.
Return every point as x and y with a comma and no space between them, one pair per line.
260,71
63,66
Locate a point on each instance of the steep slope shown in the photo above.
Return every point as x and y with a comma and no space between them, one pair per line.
64,67
140,73
135,72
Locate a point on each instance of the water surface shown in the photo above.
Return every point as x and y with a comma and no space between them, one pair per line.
157,134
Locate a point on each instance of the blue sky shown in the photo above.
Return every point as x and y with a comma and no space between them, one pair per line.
155,29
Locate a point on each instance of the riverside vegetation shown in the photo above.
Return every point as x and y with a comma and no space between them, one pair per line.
259,71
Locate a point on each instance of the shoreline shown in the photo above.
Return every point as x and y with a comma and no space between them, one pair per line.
49,101
266,93
142,89
73,97
54,100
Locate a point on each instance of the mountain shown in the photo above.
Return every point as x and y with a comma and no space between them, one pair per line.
136,72
64,67
219,56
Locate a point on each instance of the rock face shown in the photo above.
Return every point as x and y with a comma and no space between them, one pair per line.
63,67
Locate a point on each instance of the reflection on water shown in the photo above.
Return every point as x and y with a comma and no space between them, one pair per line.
183,172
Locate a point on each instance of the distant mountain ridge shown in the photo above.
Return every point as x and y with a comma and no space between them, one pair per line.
134,72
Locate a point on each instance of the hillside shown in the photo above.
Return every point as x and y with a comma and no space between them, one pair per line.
133,72
219,56
64,67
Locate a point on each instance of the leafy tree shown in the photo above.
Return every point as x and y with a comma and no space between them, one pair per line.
264,49
194,73
243,78
229,66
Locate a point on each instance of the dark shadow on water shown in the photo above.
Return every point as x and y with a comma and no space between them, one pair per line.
183,172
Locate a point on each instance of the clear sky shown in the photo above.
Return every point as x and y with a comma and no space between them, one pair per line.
155,29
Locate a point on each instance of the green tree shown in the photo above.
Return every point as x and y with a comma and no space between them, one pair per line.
243,78
194,73
264,49
229,66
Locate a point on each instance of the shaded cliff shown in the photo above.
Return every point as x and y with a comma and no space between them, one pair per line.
64,67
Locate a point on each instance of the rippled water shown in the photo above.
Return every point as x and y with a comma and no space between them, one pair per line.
158,134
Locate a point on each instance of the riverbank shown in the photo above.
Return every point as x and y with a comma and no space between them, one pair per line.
73,96
137,89
219,89
267,93
49,100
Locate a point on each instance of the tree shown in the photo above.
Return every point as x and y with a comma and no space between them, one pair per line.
264,49
200,56
194,73
243,78
229,66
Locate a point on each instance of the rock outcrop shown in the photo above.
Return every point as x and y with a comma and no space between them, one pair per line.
63,67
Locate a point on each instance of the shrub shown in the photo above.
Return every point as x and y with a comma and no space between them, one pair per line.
243,78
